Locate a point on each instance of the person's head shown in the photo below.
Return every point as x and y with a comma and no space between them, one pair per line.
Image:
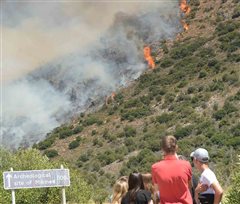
200,157
119,190
181,157
169,144
147,181
123,178
135,183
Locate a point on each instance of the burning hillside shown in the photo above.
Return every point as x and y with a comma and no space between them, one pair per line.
82,78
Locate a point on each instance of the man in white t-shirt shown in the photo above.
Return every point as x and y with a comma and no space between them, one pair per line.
208,190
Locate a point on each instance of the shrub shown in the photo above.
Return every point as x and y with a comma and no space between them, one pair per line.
92,120
226,27
233,194
216,85
227,109
235,130
202,74
65,133
231,78
77,129
84,157
183,131
51,153
47,142
164,118
166,62
129,131
135,113
187,49
74,144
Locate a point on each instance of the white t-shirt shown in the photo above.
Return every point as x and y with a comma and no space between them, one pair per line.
208,177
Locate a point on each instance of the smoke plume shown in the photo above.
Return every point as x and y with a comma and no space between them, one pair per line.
59,59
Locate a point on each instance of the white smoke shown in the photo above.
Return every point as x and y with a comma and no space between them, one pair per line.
59,58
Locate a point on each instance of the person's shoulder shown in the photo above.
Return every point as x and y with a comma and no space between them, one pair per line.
208,172
155,165
143,195
184,162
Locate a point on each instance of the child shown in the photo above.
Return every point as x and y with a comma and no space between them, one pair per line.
213,194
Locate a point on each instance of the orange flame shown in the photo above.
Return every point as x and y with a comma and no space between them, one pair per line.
185,26
184,7
148,57
113,96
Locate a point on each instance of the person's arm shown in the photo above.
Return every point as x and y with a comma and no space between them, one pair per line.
199,189
218,192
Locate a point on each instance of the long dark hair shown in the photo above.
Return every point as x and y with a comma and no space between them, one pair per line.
135,183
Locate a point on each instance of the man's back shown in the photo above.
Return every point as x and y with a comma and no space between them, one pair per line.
172,177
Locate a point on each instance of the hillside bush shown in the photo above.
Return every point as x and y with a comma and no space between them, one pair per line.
233,194
77,129
74,144
66,132
92,120
227,109
183,131
135,113
50,153
165,117
129,131
47,142
226,27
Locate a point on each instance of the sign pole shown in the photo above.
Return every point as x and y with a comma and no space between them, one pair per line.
13,193
63,192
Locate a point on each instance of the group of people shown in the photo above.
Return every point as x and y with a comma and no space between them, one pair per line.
171,180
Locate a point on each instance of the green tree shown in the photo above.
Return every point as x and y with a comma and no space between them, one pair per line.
233,195
31,159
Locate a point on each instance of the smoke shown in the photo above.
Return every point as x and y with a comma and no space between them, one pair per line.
59,59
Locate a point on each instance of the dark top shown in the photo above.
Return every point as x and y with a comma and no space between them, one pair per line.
142,197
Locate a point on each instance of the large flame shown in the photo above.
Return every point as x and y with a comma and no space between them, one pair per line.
186,10
184,7
148,57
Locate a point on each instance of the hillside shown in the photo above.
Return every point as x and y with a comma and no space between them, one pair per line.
193,93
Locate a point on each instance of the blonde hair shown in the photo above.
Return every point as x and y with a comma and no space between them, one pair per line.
148,185
120,188
169,144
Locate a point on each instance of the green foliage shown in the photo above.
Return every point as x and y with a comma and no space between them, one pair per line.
47,142
236,12
74,144
141,163
135,113
187,49
129,131
31,159
77,129
216,85
165,117
65,132
227,109
231,78
183,131
233,195
92,120
226,27
50,153
166,62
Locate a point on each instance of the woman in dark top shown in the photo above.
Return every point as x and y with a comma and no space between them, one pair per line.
136,193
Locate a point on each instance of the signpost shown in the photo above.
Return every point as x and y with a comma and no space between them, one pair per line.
36,179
